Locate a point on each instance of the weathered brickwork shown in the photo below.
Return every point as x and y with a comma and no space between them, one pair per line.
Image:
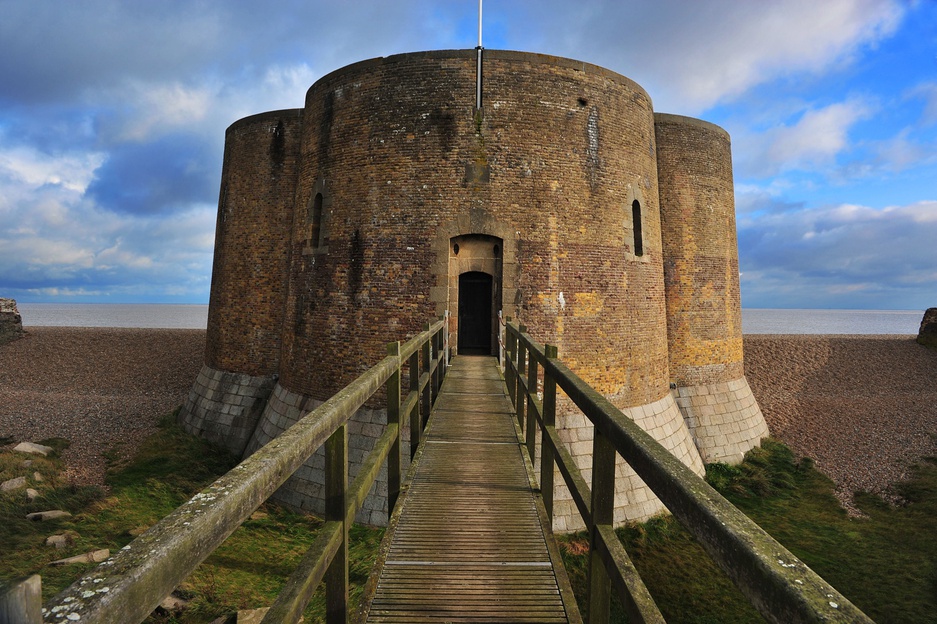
224,407
634,500
249,275
704,313
701,273
338,224
304,490
723,418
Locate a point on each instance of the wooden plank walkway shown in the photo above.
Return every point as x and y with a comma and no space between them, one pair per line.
469,544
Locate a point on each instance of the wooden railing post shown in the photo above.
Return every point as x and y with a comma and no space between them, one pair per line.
416,431
336,494
549,420
393,418
603,503
427,402
531,429
521,365
21,601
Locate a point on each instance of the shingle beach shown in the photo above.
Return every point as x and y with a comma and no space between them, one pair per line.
863,407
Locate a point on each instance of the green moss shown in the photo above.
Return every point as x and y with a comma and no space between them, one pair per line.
246,572
885,562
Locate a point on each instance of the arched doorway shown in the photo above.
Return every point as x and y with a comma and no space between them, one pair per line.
475,313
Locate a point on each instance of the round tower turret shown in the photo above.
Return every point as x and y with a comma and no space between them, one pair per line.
249,278
701,276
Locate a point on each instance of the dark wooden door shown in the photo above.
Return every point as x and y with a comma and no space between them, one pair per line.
475,313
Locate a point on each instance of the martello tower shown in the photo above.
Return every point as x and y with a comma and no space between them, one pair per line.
565,201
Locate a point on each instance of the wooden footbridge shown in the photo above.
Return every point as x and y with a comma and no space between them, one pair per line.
469,537
471,540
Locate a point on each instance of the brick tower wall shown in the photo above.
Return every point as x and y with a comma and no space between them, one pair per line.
552,166
395,163
701,273
249,278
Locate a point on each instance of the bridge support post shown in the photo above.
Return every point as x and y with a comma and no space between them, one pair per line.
393,418
336,494
603,505
549,420
519,398
21,601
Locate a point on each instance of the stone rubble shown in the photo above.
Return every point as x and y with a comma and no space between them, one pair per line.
95,556
41,516
11,323
13,484
32,447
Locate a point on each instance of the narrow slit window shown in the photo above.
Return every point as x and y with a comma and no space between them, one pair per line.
315,221
636,221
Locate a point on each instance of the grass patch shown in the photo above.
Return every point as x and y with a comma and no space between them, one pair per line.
246,572
885,562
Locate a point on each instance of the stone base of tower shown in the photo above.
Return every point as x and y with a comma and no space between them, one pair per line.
724,419
224,407
634,500
304,490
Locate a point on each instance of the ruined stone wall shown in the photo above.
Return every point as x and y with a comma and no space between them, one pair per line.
11,324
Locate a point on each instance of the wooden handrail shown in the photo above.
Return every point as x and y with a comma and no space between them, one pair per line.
129,585
780,586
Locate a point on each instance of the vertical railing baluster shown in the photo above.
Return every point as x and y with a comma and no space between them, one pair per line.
415,429
336,494
603,503
509,369
440,360
393,418
531,418
549,420
427,403
521,366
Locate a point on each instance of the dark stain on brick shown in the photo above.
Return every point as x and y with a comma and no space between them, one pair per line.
445,126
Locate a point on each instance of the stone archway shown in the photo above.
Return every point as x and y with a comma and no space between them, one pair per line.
475,292
485,245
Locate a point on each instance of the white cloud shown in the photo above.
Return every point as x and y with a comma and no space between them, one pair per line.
32,169
814,140
692,55
928,92
152,110
844,255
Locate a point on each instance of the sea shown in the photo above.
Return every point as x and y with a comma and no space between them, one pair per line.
193,316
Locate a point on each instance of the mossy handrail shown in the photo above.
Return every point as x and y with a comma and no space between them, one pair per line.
130,584
780,586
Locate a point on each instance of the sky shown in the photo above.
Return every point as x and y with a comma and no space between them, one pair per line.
113,113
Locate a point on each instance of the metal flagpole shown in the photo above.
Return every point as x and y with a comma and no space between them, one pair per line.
478,61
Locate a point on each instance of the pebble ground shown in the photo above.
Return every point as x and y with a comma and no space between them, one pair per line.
863,407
